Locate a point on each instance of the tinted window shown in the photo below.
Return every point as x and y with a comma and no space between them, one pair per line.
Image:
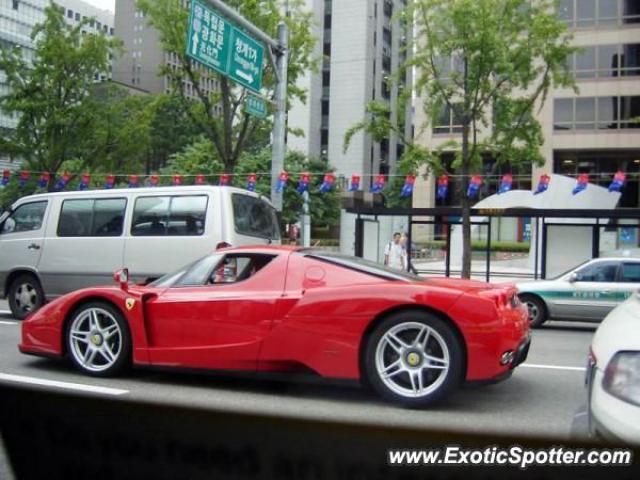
92,218
364,266
25,218
598,272
254,217
630,273
173,216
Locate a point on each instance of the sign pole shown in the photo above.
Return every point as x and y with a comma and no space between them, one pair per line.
279,117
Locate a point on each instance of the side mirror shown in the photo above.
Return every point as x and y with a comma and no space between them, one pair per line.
122,277
573,277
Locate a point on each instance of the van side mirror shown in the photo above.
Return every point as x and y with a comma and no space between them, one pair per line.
122,277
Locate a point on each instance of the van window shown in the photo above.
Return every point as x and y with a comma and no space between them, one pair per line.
254,217
26,218
166,215
92,217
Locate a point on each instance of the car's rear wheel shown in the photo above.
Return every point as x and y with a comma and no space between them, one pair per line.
537,309
98,339
25,295
413,358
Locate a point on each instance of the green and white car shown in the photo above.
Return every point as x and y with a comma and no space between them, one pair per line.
586,293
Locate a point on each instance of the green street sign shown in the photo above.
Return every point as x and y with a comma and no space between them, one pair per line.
219,45
255,106
245,63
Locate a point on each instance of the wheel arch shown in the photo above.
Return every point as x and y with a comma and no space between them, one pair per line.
523,295
410,308
76,306
16,273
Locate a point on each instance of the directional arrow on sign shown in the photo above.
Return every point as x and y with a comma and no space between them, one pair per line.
245,76
194,50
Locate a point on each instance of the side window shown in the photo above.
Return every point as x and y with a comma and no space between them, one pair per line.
598,272
25,218
92,218
199,273
235,268
173,216
254,217
630,273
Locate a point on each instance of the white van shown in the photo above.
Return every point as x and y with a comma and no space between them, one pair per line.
53,243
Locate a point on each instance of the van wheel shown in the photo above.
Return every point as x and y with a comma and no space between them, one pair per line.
25,296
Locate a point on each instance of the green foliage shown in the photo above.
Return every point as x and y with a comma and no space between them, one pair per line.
51,95
231,130
478,246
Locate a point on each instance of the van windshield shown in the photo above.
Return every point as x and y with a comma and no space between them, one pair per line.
254,217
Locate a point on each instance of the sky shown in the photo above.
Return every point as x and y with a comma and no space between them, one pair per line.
103,4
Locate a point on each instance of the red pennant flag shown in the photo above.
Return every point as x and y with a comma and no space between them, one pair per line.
200,179
177,180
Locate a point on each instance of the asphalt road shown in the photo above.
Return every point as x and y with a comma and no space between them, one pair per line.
544,397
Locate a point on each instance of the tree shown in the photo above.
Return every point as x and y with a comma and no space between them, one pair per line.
232,131
491,63
51,95
200,158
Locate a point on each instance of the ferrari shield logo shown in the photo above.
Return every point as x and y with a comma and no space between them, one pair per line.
130,302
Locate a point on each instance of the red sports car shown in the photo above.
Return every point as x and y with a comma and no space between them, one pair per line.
286,309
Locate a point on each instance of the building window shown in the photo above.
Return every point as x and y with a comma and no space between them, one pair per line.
448,122
77,17
98,25
591,113
592,13
604,61
70,14
111,31
15,4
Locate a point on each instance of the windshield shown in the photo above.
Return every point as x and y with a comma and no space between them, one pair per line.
170,278
364,266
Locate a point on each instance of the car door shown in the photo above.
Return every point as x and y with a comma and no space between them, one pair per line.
22,237
219,324
594,292
628,279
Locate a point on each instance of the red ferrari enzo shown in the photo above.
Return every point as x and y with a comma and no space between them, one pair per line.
285,309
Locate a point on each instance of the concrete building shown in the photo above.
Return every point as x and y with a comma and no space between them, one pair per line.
591,131
143,60
361,44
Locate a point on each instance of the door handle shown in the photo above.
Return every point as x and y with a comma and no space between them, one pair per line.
34,246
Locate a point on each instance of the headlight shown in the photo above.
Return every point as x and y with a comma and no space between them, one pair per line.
622,377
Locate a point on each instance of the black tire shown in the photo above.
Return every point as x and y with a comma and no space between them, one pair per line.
438,382
25,295
78,348
537,309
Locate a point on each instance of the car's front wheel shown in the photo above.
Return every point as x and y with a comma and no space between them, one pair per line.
98,339
413,358
537,309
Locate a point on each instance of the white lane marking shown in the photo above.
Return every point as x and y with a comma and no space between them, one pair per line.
65,385
4,322
554,367
5,312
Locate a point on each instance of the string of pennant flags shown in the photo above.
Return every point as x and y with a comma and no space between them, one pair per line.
378,185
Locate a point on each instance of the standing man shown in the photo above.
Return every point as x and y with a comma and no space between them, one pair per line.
394,256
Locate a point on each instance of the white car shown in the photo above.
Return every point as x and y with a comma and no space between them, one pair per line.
588,292
613,375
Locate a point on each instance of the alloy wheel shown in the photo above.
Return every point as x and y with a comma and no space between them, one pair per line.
412,359
95,339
